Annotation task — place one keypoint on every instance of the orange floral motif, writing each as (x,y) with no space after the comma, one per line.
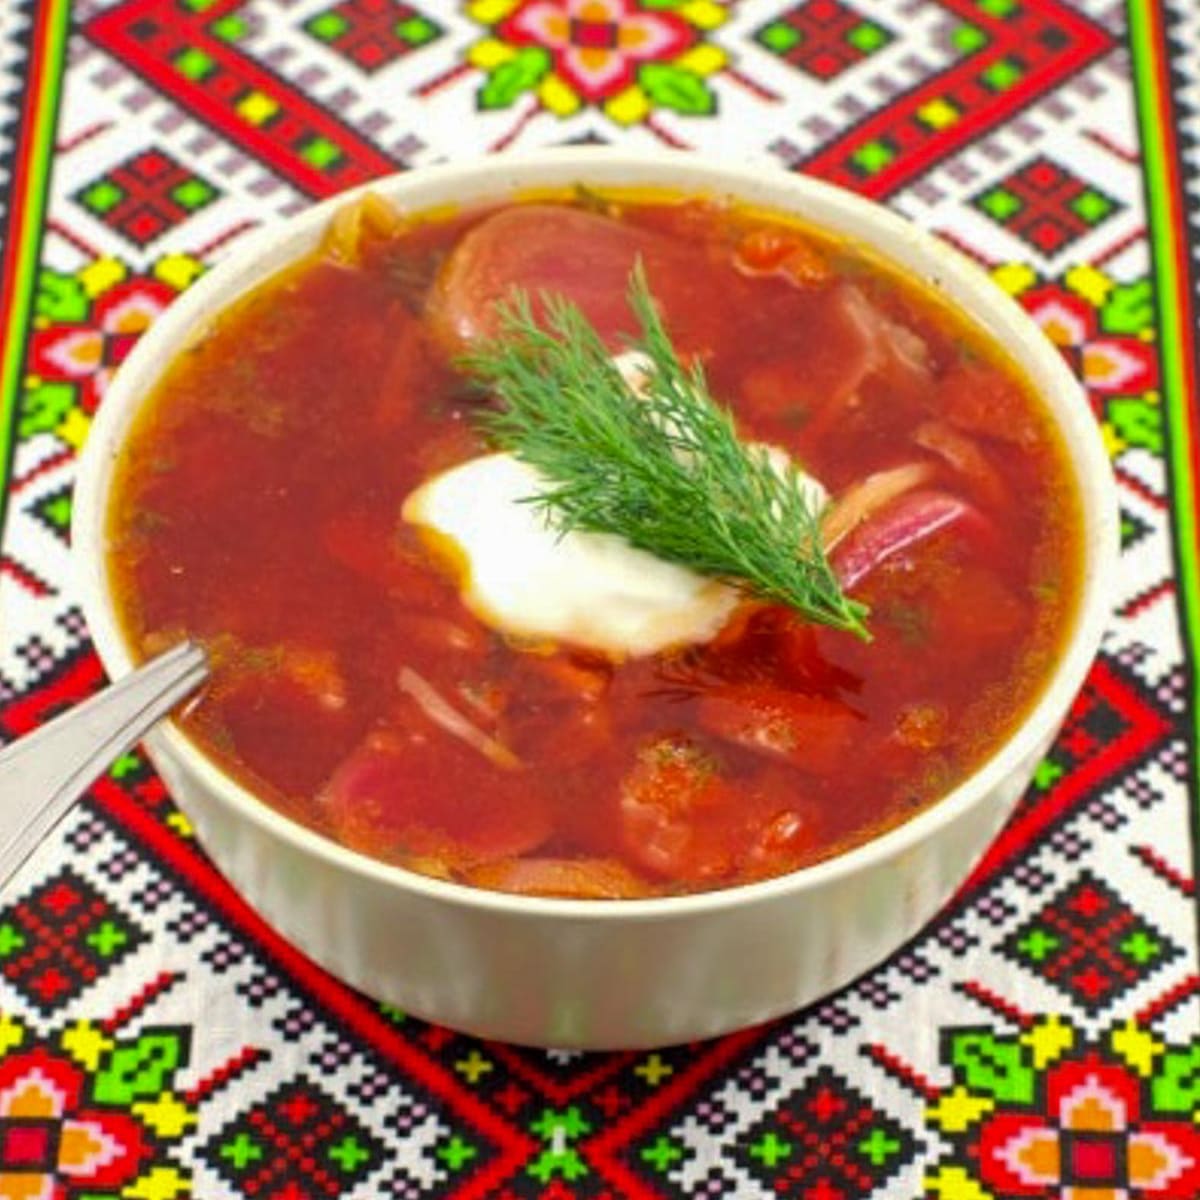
(88,351)
(629,58)
(86,1114)
(51,1145)
(1106,362)
(1046,1113)
(597,44)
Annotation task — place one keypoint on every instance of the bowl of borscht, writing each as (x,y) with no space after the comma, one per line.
(637,589)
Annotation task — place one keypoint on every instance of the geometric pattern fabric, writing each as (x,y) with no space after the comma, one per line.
(1038,1038)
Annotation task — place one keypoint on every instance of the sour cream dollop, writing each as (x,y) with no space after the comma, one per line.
(588,589)
(522,578)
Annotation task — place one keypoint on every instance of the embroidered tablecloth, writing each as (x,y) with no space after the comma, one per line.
(1039,1039)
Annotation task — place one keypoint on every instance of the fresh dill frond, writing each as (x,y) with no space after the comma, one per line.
(663,468)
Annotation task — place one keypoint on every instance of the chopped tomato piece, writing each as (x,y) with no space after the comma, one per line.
(361,542)
(967,459)
(737,626)
(682,820)
(783,842)
(411,374)
(848,341)
(454,443)
(571,878)
(561,720)
(976,608)
(429,631)
(376,800)
(563,735)
(922,726)
(782,389)
(767,251)
(317,672)
(673,786)
(810,732)
(767,643)
(576,677)
(979,399)
(260,711)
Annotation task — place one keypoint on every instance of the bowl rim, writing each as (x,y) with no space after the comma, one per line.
(511,174)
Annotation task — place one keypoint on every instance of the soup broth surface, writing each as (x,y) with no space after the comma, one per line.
(258,510)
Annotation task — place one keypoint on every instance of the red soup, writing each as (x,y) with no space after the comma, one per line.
(258,509)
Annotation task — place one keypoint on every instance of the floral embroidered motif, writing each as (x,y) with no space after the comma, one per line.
(87,1114)
(1105,330)
(627,57)
(596,45)
(1048,1113)
(84,326)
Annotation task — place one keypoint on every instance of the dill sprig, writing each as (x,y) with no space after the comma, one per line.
(664,468)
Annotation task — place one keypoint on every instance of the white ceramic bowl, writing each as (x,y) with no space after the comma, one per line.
(605,974)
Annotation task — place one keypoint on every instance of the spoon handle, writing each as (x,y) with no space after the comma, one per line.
(42,775)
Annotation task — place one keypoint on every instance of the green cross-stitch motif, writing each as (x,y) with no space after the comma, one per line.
(868,37)
(662,1153)
(320,152)
(193,63)
(230,27)
(327,26)
(565,1162)
(967,39)
(1092,206)
(874,155)
(993,1065)
(1138,420)
(878,1146)
(416,30)
(455,1152)
(771,1150)
(1000,204)
(1002,74)
(107,938)
(1038,944)
(779,36)
(1129,308)
(103,196)
(127,764)
(241,1151)
(61,297)
(1046,774)
(1129,530)
(11,940)
(568,1123)
(349,1154)
(559,1128)
(1176,1087)
(45,407)
(192,194)
(1141,947)
(57,510)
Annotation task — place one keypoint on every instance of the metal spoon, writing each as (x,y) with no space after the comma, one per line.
(42,775)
